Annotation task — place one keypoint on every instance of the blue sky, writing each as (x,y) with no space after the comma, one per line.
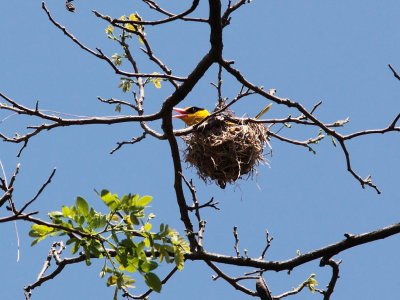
(334,51)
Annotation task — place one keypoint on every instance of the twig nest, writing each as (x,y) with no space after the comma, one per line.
(223,151)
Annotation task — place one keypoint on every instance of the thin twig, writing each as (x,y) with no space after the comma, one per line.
(144,295)
(230,280)
(131,142)
(201,222)
(327,251)
(394,72)
(236,247)
(269,240)
(38,192)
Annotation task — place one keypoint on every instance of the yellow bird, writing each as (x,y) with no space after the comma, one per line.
(192,115)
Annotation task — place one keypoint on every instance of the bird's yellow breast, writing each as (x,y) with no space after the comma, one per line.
(194,118)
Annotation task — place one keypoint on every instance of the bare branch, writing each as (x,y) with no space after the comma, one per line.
(315,107)
(363,182)
(395,74)
(327,251)
(262,289)
(236,247)
(28,217)
(38,193)
(201,222)
(292,292)
(179,95)
(153,5)
(231,8)
(117,101)
(60,266)
(209,203)
(335,276)
(299,143)
(131,142)
(101,55)
(52,251)
(391,127)
(269,240)
(309,116)
(231,281)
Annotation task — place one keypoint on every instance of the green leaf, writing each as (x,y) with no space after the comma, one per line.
(40,230)
(87,255)
(67,212)
(111,200)
(132,266)
(153,282)
(125,85)
(179,258)
(311,283)
(109,29)
(112,280)
(82,205)
(333,141)
(134,219)
(55,215)
(117,59)
(75,247)
(143,201)
(148,266)
(37,240)
(132,199)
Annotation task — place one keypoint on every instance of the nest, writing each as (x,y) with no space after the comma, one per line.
(223,151)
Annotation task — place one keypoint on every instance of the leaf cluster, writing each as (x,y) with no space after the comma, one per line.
(123,237)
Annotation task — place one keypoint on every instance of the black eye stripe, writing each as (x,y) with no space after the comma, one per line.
(194,109)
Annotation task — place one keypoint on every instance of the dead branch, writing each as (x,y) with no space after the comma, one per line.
(327,251)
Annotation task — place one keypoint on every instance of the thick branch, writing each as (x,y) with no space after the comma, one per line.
(328,251)
(335,276)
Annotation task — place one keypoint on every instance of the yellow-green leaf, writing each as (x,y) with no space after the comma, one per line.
(143,201)
(42,229)
(82,206)
(110,29)
(157,82)
(133,17)
(179,258)
(147,227)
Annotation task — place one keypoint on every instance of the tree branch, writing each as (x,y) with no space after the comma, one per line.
(172,17)
(328,251)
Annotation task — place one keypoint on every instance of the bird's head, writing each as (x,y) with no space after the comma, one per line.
(191,115)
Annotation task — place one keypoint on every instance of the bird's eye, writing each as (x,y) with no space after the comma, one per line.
(194,109)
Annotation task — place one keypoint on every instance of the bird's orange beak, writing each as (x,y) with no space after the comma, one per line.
(182,113)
